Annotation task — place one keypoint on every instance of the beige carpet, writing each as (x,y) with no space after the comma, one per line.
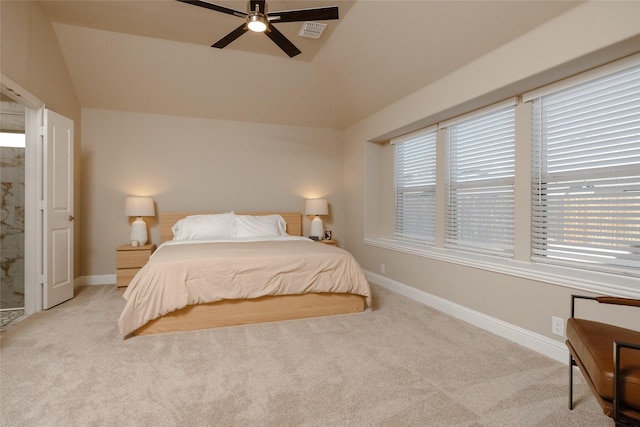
(402,364)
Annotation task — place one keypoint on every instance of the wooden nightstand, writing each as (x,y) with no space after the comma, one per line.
(329,242)
(129,260)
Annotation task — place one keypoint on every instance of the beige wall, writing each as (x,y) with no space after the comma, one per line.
(198,164)
(599,32)
(31,57)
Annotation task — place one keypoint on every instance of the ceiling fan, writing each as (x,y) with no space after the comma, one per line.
(259,20)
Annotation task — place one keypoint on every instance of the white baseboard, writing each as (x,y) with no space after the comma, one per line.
(101,279)
(521,336)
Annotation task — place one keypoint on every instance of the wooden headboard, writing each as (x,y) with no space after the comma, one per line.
(293,220)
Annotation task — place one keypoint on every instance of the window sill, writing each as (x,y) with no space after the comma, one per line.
(590,281)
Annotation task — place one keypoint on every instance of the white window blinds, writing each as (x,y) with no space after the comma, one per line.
(480,183)
(415,176)
(586,183)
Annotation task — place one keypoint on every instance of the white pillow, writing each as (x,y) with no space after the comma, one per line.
(260,226)
(205,227)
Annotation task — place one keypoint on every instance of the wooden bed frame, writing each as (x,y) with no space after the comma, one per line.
(244,312)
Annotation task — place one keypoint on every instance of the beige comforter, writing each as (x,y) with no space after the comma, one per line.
(178,275)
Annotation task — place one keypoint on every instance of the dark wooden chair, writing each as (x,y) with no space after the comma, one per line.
(609,358)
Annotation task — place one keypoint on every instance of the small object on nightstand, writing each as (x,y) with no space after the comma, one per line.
(130,259)
(329,242)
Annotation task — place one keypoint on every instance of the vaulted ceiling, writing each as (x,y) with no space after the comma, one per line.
(154,56)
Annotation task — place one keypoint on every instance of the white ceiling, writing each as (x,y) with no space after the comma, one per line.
(154,55)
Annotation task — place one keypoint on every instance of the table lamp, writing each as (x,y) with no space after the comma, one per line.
(316,207)
(139,207)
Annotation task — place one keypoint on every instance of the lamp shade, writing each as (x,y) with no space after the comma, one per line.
(316,207)
(139,206)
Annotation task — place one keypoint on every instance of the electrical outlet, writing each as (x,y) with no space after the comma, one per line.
(557,326)
(382,269)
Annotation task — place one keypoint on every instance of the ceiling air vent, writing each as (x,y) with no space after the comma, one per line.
(312,30)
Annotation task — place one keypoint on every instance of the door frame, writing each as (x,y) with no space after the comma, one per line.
(34,181)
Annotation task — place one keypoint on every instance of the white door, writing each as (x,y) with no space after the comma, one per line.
(58,209)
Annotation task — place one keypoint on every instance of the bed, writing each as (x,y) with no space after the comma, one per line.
(195,280)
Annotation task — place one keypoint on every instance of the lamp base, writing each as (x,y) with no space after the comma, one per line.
(139,231)
(317,228)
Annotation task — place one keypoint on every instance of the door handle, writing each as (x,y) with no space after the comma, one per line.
(70,218)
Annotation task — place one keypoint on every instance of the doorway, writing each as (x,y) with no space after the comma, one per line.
(48,196)
(12,210)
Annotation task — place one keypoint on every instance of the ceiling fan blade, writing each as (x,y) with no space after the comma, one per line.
(317,14)
(282,42)
(231,36)
(215,7)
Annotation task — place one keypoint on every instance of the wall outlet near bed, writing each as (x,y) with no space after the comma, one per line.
(557,326)
(382,269)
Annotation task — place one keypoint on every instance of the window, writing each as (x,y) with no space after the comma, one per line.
(415,180)
(577,189)
(586,167)
(480,182)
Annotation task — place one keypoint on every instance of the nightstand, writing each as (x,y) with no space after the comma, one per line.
(329,242)
(130,259)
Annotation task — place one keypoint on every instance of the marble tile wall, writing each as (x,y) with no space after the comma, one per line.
(11,227)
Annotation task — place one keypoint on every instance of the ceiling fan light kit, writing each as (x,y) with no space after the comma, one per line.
(259,20)
(257,23)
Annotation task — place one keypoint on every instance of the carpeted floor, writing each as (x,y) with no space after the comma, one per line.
(401,364)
